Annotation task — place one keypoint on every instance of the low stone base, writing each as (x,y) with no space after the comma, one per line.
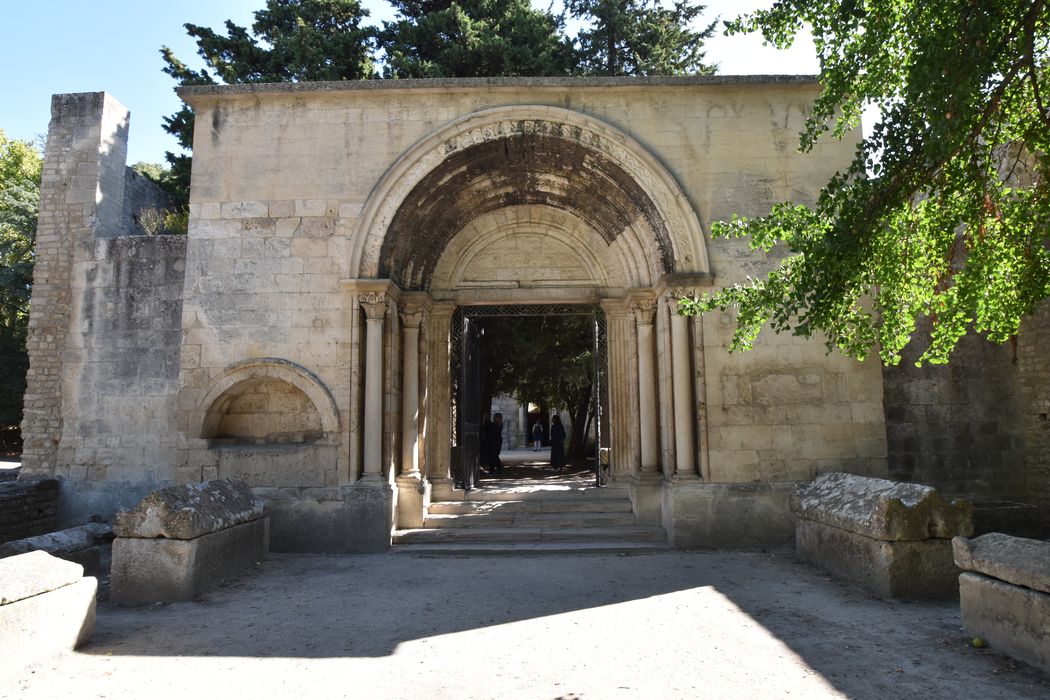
(910,570)
(413,497)
(169,570)
(1012,619)
(700,515)
(370,511)
(644,492)
(49,623)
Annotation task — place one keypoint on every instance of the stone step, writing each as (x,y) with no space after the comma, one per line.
(515,491)
(602,505)
(529,519)
(619,548)
(507,535)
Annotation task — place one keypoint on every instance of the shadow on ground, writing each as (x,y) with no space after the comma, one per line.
(720,611)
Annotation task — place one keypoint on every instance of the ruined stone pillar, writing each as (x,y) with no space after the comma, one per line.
(374,305)
(685,467)
(81,198)
(438,456)
(643,315)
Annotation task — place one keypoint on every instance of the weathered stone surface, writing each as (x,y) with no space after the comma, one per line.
(882,509)
(908,570)
(1011,619)
(187,511)
(27,575)
(1016,560)
(172,570)
(37,627)
(60,543)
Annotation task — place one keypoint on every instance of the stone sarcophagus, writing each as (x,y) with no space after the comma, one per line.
(1004,592)
(182,540)
(894,538)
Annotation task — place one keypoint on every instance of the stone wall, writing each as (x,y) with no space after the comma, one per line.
(27,508)
(978,426)
(105,321)
(140,193)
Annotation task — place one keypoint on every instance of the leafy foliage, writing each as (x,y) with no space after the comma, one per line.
(943,212)
(547,360)
(474,38)
(290,41)
(20,165)
(640,37)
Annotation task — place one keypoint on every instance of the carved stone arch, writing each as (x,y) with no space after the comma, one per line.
(224,387)
(662,226)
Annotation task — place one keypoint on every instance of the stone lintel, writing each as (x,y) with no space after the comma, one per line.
(1016,560)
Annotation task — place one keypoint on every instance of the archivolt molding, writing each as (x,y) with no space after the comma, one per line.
(686,235)
(268,368)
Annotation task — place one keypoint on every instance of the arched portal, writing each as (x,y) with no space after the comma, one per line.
(520,205)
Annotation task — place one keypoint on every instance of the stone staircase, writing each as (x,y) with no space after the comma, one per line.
(506,517)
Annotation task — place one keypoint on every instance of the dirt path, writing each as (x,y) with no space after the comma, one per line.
(670,625)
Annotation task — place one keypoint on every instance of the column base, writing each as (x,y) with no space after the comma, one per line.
(646,498)
(413,498)
(370,506)
(440,488)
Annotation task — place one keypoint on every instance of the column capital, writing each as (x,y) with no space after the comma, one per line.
(643,310)
(412,316)
(374,305)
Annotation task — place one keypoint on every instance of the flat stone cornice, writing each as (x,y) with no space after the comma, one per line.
(194,94)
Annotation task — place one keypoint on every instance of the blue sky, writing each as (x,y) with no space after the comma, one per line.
(55,46)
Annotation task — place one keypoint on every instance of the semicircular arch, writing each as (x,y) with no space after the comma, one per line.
(265,369)
(674,227)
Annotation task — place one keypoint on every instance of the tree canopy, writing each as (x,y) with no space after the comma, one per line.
(20,165)
(943,212)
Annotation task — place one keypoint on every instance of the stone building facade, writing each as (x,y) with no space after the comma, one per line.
(299,336)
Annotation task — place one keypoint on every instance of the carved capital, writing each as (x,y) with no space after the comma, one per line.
(411,316)
(644,310)
(374,305)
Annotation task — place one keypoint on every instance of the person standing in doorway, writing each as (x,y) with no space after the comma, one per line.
(495,444)
(557,443)
(537,436)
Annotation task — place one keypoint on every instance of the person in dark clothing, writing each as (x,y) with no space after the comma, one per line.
(484,448)
(495,444)
(557,443)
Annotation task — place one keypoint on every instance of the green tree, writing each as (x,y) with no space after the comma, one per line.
(640,37)
(473,38)
(20,165)
(547,360)
(290,41)
(943,213)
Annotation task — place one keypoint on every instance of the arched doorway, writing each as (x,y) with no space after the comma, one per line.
(524,205)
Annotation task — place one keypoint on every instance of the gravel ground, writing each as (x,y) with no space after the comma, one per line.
(669,625)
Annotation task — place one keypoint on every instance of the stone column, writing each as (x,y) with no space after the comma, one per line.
(411,317)
(438,454)
(682,381)
(643,315)
(413,494)
(623,389)
(374,305)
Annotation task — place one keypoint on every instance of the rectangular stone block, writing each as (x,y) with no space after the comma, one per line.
(166,570)
(910,570)
(43,625)
(697,514)
(1011,619)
